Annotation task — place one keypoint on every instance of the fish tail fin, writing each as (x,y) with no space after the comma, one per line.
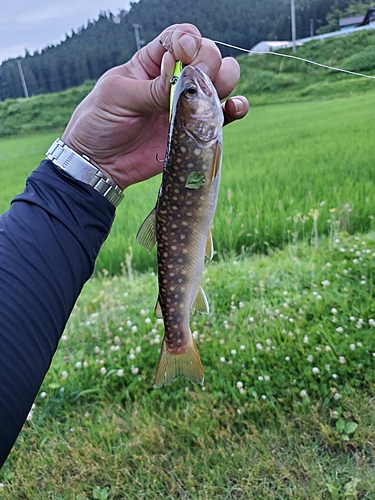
(172,365)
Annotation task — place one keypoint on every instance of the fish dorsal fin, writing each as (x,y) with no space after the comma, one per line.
(209,245)
(146,235)
(200,303)
(217,161)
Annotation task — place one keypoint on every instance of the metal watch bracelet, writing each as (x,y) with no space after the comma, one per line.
(80,168)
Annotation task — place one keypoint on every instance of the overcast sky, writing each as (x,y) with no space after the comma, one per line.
(34,24)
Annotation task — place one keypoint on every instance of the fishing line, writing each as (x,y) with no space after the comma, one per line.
(294,57)
(166,44)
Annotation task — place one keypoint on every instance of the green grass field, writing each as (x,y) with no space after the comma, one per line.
(287,407)
(290,172)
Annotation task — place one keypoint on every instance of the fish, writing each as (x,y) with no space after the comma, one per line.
(180,224)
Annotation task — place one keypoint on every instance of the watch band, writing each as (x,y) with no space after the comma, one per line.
(80,168)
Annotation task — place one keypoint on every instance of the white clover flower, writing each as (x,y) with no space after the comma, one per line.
(85,364)
(242,347)
(222,359)
(334,319)
(355,261)
(315,370)
(259,346)
(287,358)
(134,370)
(303,393)
(326,283)
(132,355)
(363,282)
(241,305)
(342,360)
(120,329)
(239,411)
(64,337)
(266,378)
(134,329)
(264,397)
(352,347)
(64,375)
(233,352)
(120,372)
(239,385)
(260,378)
(251,319)
(337,396)
(334,310)
(352,318)
(78,365)
(147,321)
(339,329)
(129,323)
(103,370)
(327,348)
(306,339)
(138,349)
(43,395)
(327,367)
(310,358)
(371,322)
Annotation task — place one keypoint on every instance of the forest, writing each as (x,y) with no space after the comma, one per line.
(88,52)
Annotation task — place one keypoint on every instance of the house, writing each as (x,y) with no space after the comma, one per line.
(368,19)
(347,23)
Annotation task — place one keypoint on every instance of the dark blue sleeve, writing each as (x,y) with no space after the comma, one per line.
(49,240)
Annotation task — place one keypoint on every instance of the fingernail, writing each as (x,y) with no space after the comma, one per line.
(189,44)
(237,104)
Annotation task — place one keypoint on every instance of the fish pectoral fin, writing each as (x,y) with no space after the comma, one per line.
(158,310)
(171,365)
(209,245)
(200,303)
(217,161)
(146,235)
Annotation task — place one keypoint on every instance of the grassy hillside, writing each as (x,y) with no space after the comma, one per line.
(265,79)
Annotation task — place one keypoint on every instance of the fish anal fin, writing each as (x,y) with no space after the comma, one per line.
(146,235)
(200,303)
(158,310)
(217,161)
(209,245)
(171,365)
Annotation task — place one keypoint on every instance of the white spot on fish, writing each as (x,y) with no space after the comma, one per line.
(197,151)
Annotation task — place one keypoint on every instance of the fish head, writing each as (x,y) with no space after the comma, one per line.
(197,105)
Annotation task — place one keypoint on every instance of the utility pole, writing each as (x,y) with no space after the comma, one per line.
(293,17)
(22,76)
(138,40)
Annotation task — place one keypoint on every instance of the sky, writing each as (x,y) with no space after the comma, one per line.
(34,24)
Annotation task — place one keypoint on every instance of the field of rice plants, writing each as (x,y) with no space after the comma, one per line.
(287,407)
(290,172)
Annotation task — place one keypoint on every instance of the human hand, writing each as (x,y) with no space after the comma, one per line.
(123,123)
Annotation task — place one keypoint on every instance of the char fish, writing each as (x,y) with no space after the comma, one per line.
(180,223)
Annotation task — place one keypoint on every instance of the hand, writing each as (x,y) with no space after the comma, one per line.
(123,123)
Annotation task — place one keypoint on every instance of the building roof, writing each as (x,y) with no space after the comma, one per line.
(351,21)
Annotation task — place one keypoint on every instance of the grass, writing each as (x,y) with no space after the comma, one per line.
(287,406)
(289,172)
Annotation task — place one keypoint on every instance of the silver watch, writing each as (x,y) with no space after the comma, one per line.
(80,168)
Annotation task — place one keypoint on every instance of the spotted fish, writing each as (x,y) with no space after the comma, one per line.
(181,222)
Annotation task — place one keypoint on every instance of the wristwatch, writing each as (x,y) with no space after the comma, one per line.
(79,167)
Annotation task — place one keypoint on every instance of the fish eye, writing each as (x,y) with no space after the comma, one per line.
(190,90)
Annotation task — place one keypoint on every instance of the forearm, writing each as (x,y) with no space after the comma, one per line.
(49,240)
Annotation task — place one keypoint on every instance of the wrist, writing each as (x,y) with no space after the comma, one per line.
(80,167)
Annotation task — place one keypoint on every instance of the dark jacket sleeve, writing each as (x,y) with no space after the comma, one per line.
(49,240)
